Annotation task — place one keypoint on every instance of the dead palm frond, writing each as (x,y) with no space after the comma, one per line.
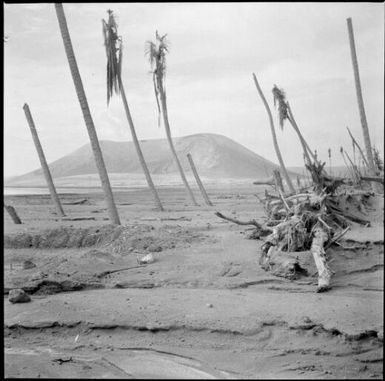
(156,52)
(280,99)
(114,50)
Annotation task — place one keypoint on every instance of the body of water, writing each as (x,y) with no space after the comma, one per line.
(17,191)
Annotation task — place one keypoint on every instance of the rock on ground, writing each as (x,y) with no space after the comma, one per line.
(18,296)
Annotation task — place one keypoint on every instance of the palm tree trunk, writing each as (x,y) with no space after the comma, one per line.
(305,146)
(198,180)
(139,150)
(360,100)
(170,142)
(43,161)
(275,142)
(111,207)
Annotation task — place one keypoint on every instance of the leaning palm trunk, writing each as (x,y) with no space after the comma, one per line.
(275,142)
(360,100)
(304,144)
(111,207)
(139,150)
(114,50)
(198,180)
(157,56)
(171,144)
(43,161)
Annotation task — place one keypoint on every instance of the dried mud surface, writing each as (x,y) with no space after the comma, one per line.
(203,309)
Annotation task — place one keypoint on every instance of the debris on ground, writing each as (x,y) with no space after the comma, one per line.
(149,258)
(301,227)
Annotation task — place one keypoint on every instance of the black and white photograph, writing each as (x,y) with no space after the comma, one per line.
(193,190)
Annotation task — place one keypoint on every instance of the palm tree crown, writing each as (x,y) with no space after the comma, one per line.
(156,52)
(114,50)
(280,98)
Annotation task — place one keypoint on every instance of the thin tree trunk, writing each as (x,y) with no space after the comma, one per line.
(275,142)
(355,170)
(305,146)
(43,161)
(317,249)
(359,148)
(169,138)
(111,207)
(361,107)
(198,180)
(139,150)
(12,213)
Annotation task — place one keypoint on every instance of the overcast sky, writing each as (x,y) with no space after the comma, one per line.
(215,48)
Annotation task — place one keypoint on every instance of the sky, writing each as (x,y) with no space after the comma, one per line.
(214,49)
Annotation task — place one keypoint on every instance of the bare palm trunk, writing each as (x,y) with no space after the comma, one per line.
(360,100)
(275,142)
(198,180)
(43,161)
(304,144)
(138,149)
(112,211)
(170,142)
(12,213)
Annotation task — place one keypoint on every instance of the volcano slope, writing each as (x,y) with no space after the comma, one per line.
(215,156)
(203,309)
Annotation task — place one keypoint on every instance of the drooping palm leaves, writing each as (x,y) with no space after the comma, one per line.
(156,52)
(280,99)
(285,113)
(114,50)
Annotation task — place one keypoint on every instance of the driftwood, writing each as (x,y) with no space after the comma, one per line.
(235,221)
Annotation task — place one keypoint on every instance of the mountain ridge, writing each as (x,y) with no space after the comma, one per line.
(214,155)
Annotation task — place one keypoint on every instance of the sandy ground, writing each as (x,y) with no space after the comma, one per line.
(203,309)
